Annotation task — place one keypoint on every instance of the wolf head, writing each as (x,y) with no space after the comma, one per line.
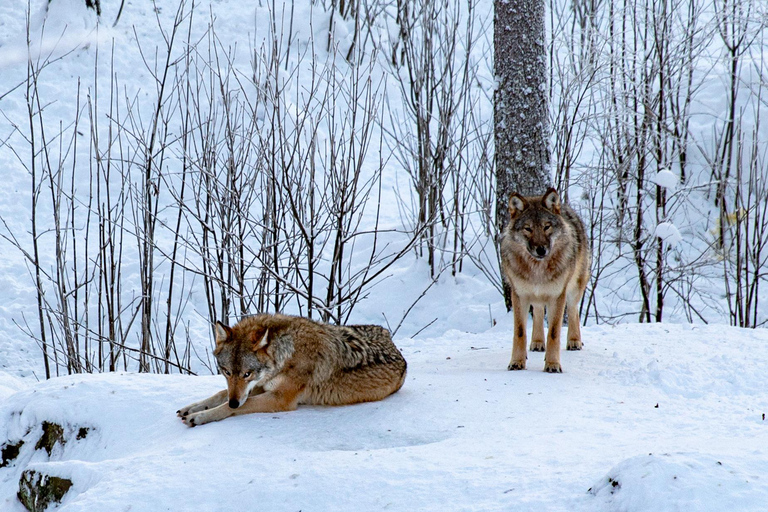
(244,360)
(535,222)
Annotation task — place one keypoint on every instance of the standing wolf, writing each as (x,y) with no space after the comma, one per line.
(545,259)
(275,362)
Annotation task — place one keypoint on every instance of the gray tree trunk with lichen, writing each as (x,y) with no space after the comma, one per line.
(520,114)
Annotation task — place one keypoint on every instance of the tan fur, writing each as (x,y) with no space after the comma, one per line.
(545,259)
(287,361)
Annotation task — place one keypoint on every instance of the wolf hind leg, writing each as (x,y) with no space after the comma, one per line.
(537,339)
(574,323)
(368,383)
(555,310)
(574,329)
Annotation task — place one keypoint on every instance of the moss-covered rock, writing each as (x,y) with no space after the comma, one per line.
(52,433)
(9,452)
(37,491)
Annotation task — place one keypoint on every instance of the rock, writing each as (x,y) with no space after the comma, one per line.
(37,491)
(52,433)
(9,452)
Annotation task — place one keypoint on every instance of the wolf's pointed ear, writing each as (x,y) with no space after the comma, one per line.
(222,333)
(517,204)
(551,200)
(259,343)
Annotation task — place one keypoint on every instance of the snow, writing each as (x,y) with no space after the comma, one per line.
(666,179)
(646,417)
(668,232)
(462,434)
(9,385)
(681,481)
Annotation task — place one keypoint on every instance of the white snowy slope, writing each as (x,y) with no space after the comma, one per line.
(656,418)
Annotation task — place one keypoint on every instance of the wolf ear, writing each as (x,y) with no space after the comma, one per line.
(222,333)
(259,343)
(551,200)
(517,204)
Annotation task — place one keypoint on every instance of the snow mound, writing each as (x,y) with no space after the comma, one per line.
(669,233)
(682,482)
(463,433)
(666,179)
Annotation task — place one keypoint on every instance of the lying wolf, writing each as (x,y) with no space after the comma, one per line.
(545,259)
(275,362)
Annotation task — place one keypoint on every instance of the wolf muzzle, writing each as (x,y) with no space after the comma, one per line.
(538,251)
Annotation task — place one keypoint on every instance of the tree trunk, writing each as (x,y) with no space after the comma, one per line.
(521,122)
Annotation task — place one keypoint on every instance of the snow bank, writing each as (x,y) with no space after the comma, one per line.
(685,482)
(462,434)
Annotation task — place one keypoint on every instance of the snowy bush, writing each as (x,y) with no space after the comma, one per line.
(173,170)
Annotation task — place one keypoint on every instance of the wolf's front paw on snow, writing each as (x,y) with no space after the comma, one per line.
(574,345)
(516,365)
(553,367)
(194,419)
(191,408)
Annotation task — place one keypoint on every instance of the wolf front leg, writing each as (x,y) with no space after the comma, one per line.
(556,308)
(278,400)
(519,354)
(284,397)
(209,403)
(208,415)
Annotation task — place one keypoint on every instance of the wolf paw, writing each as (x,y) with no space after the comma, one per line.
(537,346)
(194,419)
(516,365)
(192,408)
(574,345)
(553,368)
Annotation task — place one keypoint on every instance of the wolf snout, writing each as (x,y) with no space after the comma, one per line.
(234,403)
(541,251)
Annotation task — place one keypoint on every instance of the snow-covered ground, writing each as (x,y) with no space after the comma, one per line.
(645,418)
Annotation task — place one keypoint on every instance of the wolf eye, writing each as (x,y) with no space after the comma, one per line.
(225,372)
(528,229)
(547,227)
(246,375)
